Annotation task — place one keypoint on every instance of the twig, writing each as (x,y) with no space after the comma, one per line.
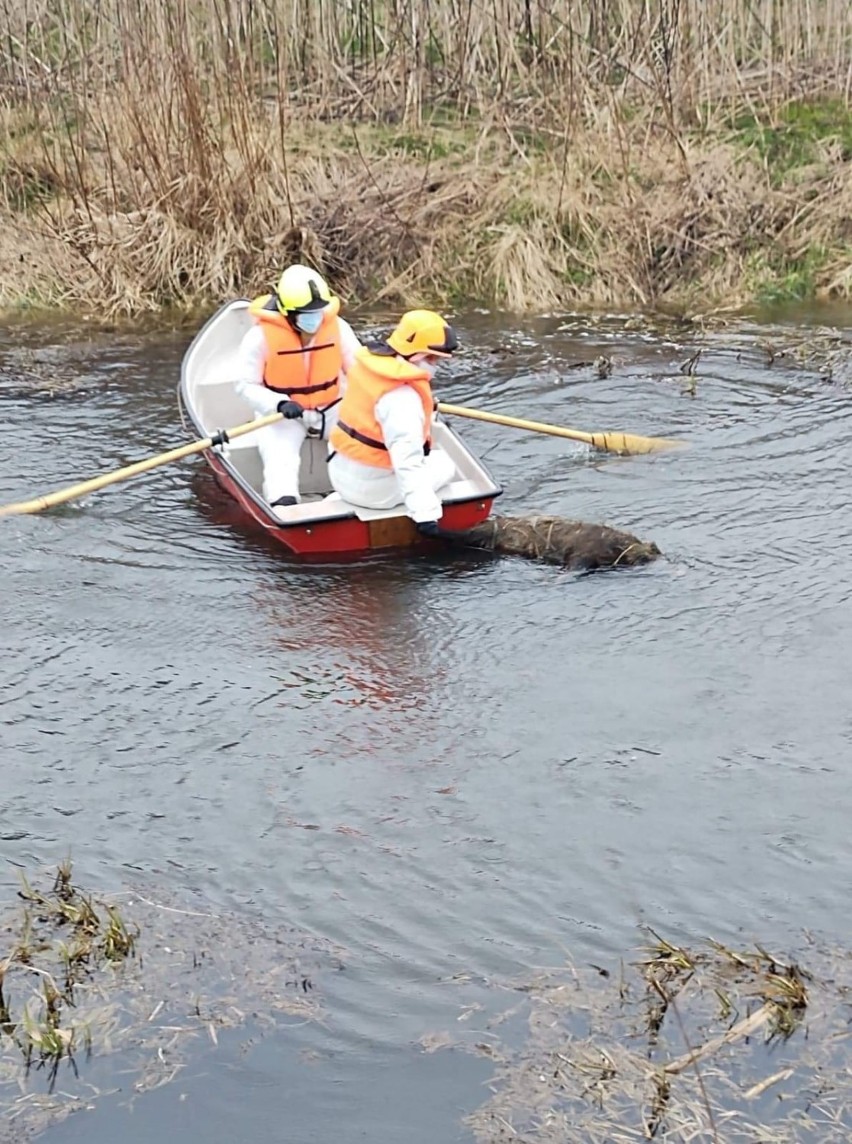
(173,910)
(692,1058)
(743,1028)
(762,1086)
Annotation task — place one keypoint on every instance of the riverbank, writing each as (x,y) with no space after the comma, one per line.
(642,169)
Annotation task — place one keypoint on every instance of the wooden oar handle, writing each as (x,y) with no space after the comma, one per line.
(515,422)
(39,504)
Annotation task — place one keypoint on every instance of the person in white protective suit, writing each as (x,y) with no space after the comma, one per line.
(382,452)
(294,360)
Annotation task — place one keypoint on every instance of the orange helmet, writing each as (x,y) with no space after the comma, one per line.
(423,331)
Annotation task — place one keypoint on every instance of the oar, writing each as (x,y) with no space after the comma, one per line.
(38,504)
(623,443)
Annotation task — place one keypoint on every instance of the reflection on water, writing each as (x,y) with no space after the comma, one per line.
(454,767)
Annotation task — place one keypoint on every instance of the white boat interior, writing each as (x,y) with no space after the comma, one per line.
(208,392)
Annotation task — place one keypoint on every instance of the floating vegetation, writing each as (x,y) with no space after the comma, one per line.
(82,976)
(49,373)
(50,970)
(824,351)
(711,1043)
(48,358)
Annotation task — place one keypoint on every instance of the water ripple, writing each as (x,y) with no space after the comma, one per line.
(449,765)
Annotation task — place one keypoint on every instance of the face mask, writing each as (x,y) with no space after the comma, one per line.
(309,321)
(428,367)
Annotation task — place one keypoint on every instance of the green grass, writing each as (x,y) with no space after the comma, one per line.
(577,275)
(522,212)
(792,139)
(788,279)
(426,145)
(438,138)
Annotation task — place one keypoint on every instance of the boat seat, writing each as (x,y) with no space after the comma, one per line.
(331,507)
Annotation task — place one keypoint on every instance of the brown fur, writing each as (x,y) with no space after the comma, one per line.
(572,543)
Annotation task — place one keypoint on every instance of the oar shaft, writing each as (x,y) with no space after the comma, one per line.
(624,443)
(517,423)
(38,504)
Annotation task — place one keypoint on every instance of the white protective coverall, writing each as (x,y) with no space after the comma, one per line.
(280,445)
(414,480)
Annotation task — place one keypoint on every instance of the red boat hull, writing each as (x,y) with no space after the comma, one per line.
(346,535)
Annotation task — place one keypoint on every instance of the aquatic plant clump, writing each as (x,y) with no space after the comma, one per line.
(83,975)
(709,1043)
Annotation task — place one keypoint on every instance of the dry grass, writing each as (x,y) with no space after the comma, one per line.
(45,1030)
(540,155)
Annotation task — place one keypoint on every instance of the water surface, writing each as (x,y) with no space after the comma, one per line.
(452,767)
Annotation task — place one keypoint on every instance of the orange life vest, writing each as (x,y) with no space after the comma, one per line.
(315,386)
(358,434)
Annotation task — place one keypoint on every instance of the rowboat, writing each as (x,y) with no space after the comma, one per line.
(323,524)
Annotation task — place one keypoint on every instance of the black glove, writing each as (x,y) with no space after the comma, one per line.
(290,409)
(428,528)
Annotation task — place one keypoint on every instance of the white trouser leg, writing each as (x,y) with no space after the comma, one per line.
(441,468)
(368,486)
(280,448)
(331,416)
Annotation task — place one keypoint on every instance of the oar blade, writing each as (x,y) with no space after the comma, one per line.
(631,444)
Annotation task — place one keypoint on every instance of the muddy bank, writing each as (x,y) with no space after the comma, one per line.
(388,227)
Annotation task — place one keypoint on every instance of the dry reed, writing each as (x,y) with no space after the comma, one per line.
(537,154)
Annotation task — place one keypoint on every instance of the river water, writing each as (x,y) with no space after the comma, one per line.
(457,768)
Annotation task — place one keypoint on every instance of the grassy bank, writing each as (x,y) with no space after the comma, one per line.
(680,152)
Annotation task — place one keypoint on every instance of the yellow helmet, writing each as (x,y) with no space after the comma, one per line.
(423,331)
(301,288)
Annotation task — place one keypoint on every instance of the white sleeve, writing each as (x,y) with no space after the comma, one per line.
(349,344)
(248,379)
(400,414)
